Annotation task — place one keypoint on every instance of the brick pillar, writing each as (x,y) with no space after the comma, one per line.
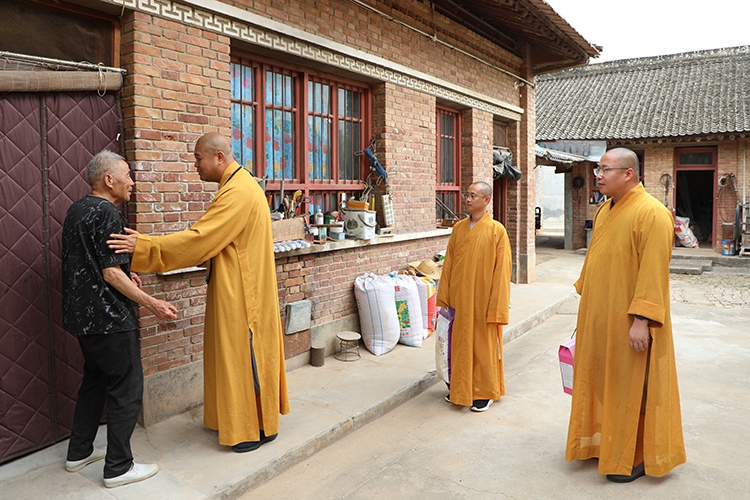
(404,127)
(526,161)
(476,147)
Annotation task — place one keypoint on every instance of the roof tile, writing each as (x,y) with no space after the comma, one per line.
(666,96)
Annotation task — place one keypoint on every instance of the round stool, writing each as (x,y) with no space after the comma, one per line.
(348,346)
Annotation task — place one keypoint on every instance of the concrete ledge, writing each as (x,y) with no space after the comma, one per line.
(689,266)
(171,392)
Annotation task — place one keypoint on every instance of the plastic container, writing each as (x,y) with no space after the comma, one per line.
(360,224)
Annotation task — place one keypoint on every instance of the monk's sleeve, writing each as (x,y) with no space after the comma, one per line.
(213,232)
(444,289)
(654,242)
(579,283)
(497,308)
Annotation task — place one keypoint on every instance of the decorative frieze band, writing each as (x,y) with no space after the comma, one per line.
(238,29)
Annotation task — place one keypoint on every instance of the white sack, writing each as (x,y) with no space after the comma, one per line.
(378,318)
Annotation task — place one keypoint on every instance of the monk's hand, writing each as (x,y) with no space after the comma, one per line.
(124,243)
(639,334)
(163,310)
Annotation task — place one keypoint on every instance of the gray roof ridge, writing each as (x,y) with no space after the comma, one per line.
(653,62)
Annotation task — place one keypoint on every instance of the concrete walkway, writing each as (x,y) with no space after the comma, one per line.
(428,449)
(327,403)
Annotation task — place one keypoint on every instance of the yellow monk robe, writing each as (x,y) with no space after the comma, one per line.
(476,283)
(626,272)
(242,294)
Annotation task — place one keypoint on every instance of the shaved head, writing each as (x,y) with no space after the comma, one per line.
(626,159)
(213,154)
(214,142)
(484,188)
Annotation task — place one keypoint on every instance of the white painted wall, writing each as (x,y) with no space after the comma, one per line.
(553,207)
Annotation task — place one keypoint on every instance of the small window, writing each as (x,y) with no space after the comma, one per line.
(448,189)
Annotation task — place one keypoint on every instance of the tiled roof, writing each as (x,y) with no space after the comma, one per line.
(666,96)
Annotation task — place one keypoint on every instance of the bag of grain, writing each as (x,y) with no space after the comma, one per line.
(378,318)
(409,311)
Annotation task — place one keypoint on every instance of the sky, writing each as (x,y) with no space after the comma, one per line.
(645,28)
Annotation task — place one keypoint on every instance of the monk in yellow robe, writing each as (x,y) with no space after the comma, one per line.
(476,283)
(626,405)
(244,374)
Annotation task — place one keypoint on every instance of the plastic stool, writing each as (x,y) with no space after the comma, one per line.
(348,346)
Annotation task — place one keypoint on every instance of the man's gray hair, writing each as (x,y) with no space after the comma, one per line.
(101,164)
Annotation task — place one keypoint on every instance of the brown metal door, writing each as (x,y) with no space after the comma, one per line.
(45,144)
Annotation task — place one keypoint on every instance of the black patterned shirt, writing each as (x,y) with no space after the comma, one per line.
(91,305)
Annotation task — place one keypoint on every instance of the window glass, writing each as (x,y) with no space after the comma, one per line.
(243,111)
(448,186)
(319,123)
(697,158)
(279,126)
(316,149)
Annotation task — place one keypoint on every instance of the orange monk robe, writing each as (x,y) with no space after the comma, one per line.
(476,283)
(242,294)
(626,272)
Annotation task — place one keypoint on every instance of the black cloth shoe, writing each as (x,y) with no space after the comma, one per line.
(246,446)
(638,471)
(481,404)
(267,439)
(448,398)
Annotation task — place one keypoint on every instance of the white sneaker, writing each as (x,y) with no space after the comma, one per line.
(76,465)
(138,472)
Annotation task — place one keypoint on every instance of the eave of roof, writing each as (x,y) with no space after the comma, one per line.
(679,95)
(555,44)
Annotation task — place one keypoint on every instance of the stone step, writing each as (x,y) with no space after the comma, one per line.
(689,266)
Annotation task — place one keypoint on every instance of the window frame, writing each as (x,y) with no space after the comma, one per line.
(441,187)
(323,190)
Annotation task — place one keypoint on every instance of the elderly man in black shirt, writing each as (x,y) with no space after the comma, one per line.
(98,294)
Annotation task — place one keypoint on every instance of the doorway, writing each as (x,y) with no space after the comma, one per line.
(695,190)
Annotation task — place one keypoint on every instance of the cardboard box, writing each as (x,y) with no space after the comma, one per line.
(567,354)
(288,229)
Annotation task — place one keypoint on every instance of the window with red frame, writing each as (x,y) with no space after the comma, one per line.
(448,188)
(304,128)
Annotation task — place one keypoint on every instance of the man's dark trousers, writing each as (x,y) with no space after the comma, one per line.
(112,371)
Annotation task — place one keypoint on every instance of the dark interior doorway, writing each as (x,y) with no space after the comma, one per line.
(695,200)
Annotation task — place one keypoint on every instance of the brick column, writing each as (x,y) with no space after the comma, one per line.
(404,127)
(526,161)
(476,147)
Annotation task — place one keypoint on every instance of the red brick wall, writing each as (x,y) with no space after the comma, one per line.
(176,89)
(347,23)
(659,160)
(404,126)
(328,279)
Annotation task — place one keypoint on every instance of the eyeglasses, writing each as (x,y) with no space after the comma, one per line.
(471,196)
(601,171)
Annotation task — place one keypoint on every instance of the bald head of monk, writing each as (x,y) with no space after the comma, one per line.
(477,197)
(213,154)
(618,173)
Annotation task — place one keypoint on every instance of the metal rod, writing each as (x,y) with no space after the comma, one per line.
(58,62)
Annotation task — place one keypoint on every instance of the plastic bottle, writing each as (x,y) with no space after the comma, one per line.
(319,218)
